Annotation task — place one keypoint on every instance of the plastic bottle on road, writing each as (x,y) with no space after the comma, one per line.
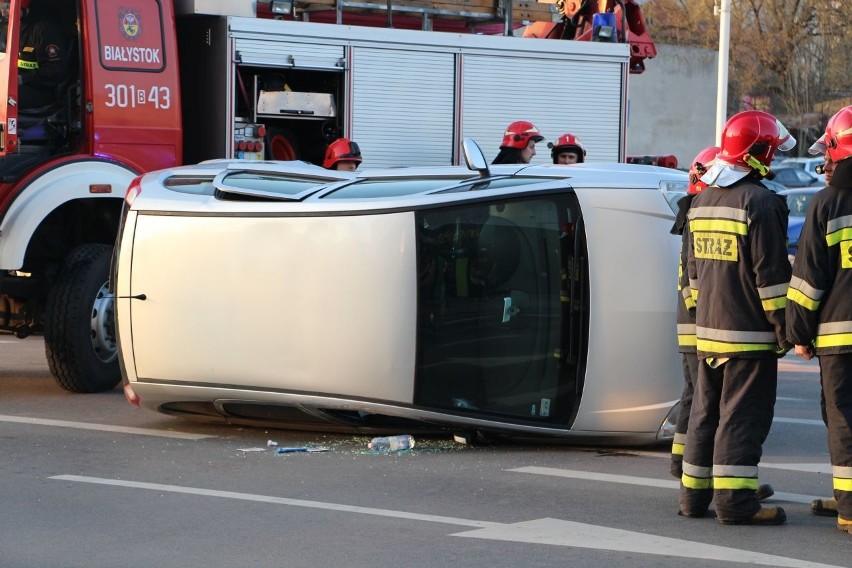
(391,443)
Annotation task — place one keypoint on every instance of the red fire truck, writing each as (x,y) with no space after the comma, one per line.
(149,84)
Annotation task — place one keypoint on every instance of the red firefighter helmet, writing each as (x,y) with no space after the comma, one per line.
(519,133)
(700,165)
(567,143)
(341,150)
(750,138)
(838,135)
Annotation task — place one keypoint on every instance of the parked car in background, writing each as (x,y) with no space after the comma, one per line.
(777,159)
(810,165)
(508,299)
(792,177)
(798,201)
(773,185)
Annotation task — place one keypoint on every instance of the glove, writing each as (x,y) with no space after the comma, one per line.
(783,349)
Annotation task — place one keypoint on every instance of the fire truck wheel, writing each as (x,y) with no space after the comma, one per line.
(281,144)
(79,331)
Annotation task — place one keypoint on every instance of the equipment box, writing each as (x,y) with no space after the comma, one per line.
(293,104)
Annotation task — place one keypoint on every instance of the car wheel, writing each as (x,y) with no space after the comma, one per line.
(79,332)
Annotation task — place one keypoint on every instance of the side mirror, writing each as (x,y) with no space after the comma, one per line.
(474,158)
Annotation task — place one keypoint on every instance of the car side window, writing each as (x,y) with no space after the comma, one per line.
(502,314)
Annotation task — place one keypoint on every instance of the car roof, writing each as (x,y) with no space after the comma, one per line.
(320,182)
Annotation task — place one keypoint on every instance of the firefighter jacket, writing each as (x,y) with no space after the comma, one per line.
(685,318)
(738,270)
(42,61)
(819,310)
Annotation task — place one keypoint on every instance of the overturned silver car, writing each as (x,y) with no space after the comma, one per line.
(525,300)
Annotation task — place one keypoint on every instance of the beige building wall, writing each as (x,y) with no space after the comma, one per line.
(672,105)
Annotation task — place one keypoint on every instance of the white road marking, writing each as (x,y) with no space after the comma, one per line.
(540,531)
(641,481)
(792,399)
(277,500)
(804,421)
(102,427)
(578,535)
(604,477)
(804,467)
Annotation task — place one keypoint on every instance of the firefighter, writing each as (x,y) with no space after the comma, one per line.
(42,58)
(686,319)
(518,146)
(826,507)
(819,315)
(738,276)
(567,150)
(342,154)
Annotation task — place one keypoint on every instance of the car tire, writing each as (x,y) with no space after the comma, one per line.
(79,332)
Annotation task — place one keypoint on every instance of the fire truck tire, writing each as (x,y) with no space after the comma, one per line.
(79,331)
(281,144)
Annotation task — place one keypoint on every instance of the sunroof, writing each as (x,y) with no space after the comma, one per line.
(254,185)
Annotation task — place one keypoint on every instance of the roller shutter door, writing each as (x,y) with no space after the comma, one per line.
(583,98)
(281,54)
(402,106)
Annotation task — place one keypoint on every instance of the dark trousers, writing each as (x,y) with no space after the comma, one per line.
(836,378)
(732,410)
(690,377)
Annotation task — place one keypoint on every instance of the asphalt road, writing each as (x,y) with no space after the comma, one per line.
(88,481)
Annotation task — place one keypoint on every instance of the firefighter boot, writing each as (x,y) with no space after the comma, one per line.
(764,517)
(844,525)
(824,507)
(677,468)
(694,503)
(764,491)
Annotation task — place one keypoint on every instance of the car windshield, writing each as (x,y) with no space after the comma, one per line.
(798,203)
(383,187)
(387,187)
